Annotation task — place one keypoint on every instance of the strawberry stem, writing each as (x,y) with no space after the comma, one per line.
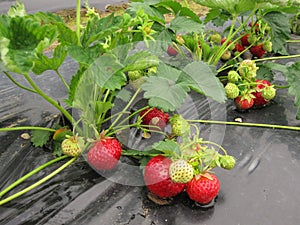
(277,57)
(125,109)
(62,79)
(26,128)
(20,180)
(78,9)
(24,191)
(273,126)
(132,152)
(293,41)
(281,86)
(18,84)
(215,144)
(132,115)
(48,99)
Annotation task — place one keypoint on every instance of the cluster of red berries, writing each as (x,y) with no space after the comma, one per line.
(166,177)
(169,173)
(246,90)
(160,173)
(255,40)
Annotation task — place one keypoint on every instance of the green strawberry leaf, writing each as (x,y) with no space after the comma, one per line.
(140,60)
(234,7)
(174,6)
(17,10)
(202,78)
(275,66)
(21,38)
(66,35)
(40,137)
(280,27)
(163,93)
(162,90)
(169,147)
(57,151)
(220,20)
(212,15)
(264,72)
(75,81)
(189,13)
(43,63)
(182,24)
(293,79)
(99,28)
(106,72)
(124,94)
(84,55)
(286,6)
(149,9)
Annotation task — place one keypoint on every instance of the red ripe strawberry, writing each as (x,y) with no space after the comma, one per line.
(244,103)
(256,26)
(259,100)
(172,51)
(261,84)
(105,154)
(203,189)
(157,178)
(258,50)
(238,47)
(154,117)
(244,40)
(231,46)
(223,40)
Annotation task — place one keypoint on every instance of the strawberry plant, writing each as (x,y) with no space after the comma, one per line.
(108,59)
(138,55)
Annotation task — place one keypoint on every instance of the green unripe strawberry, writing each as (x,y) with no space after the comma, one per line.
(215,38)
(252,39)
(233,76)
(232,90)
(227,162)
(181,171)
(247,68)
(70,146)
(268,92)
(135,74)
(268,46)
(226,55)
(179,125)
